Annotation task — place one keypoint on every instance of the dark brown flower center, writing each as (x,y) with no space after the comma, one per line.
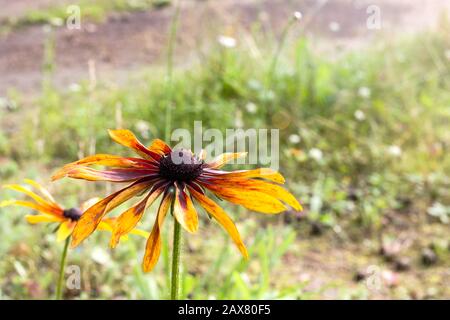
(73,214)
(180,165)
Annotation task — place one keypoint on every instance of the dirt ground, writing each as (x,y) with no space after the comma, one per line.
(392,268)
(128,41)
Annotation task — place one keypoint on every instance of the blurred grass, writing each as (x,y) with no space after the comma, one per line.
(92,10)
(362,134)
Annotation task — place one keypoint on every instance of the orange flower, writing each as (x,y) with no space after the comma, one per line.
(50,211)
(179,177)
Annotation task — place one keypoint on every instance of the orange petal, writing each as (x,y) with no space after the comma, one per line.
(263,173)
(42,202)
(141,233)
(183,209)
(113,175)
(105,160)
(223,159)
(42,190)
(128,220)
(65,230)
(32,205)
(42,218)
(109,224)
(247,186)
(128,139)
(250,199)
(221,216)
(92,217)
(160,147)
(153,247)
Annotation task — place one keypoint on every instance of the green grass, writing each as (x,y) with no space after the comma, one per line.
(320,100)
(93,10)
(379,118)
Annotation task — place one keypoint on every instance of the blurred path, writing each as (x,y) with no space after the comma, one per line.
(128,41)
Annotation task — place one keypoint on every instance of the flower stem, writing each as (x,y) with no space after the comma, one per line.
(176,260)
(61,270)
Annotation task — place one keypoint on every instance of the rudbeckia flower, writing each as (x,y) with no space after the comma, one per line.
(179,177)
(50,211)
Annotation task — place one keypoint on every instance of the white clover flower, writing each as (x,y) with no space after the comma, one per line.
(7,104)
(227,42)
(394,151)
(251,107)
(359,115)
(315,154)
(100,256)
(364,92)
(297,15)
(334,26)
(143,127)
(294,138)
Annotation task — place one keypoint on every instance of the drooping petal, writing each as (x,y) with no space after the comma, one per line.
(92,217)
(153,247)
(268,188)
(139,232)
(183,209)
(250,199)
(109,224)
(224,158)
(113,175)
(42,190)
(128,220)
(32,205)
(105,160)
(42,218)
(263,173)
(65,230)
(244,190)
(160,147)
(128,139)
(113,161)
(42,202)
(222,218)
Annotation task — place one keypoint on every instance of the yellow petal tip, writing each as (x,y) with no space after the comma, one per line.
(6,203)
(75,243)
(114,241)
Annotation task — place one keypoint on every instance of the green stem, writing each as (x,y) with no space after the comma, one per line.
(273,65)
(61,269)
(176,260)
(279,48)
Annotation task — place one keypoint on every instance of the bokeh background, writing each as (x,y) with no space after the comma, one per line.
(364,139)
